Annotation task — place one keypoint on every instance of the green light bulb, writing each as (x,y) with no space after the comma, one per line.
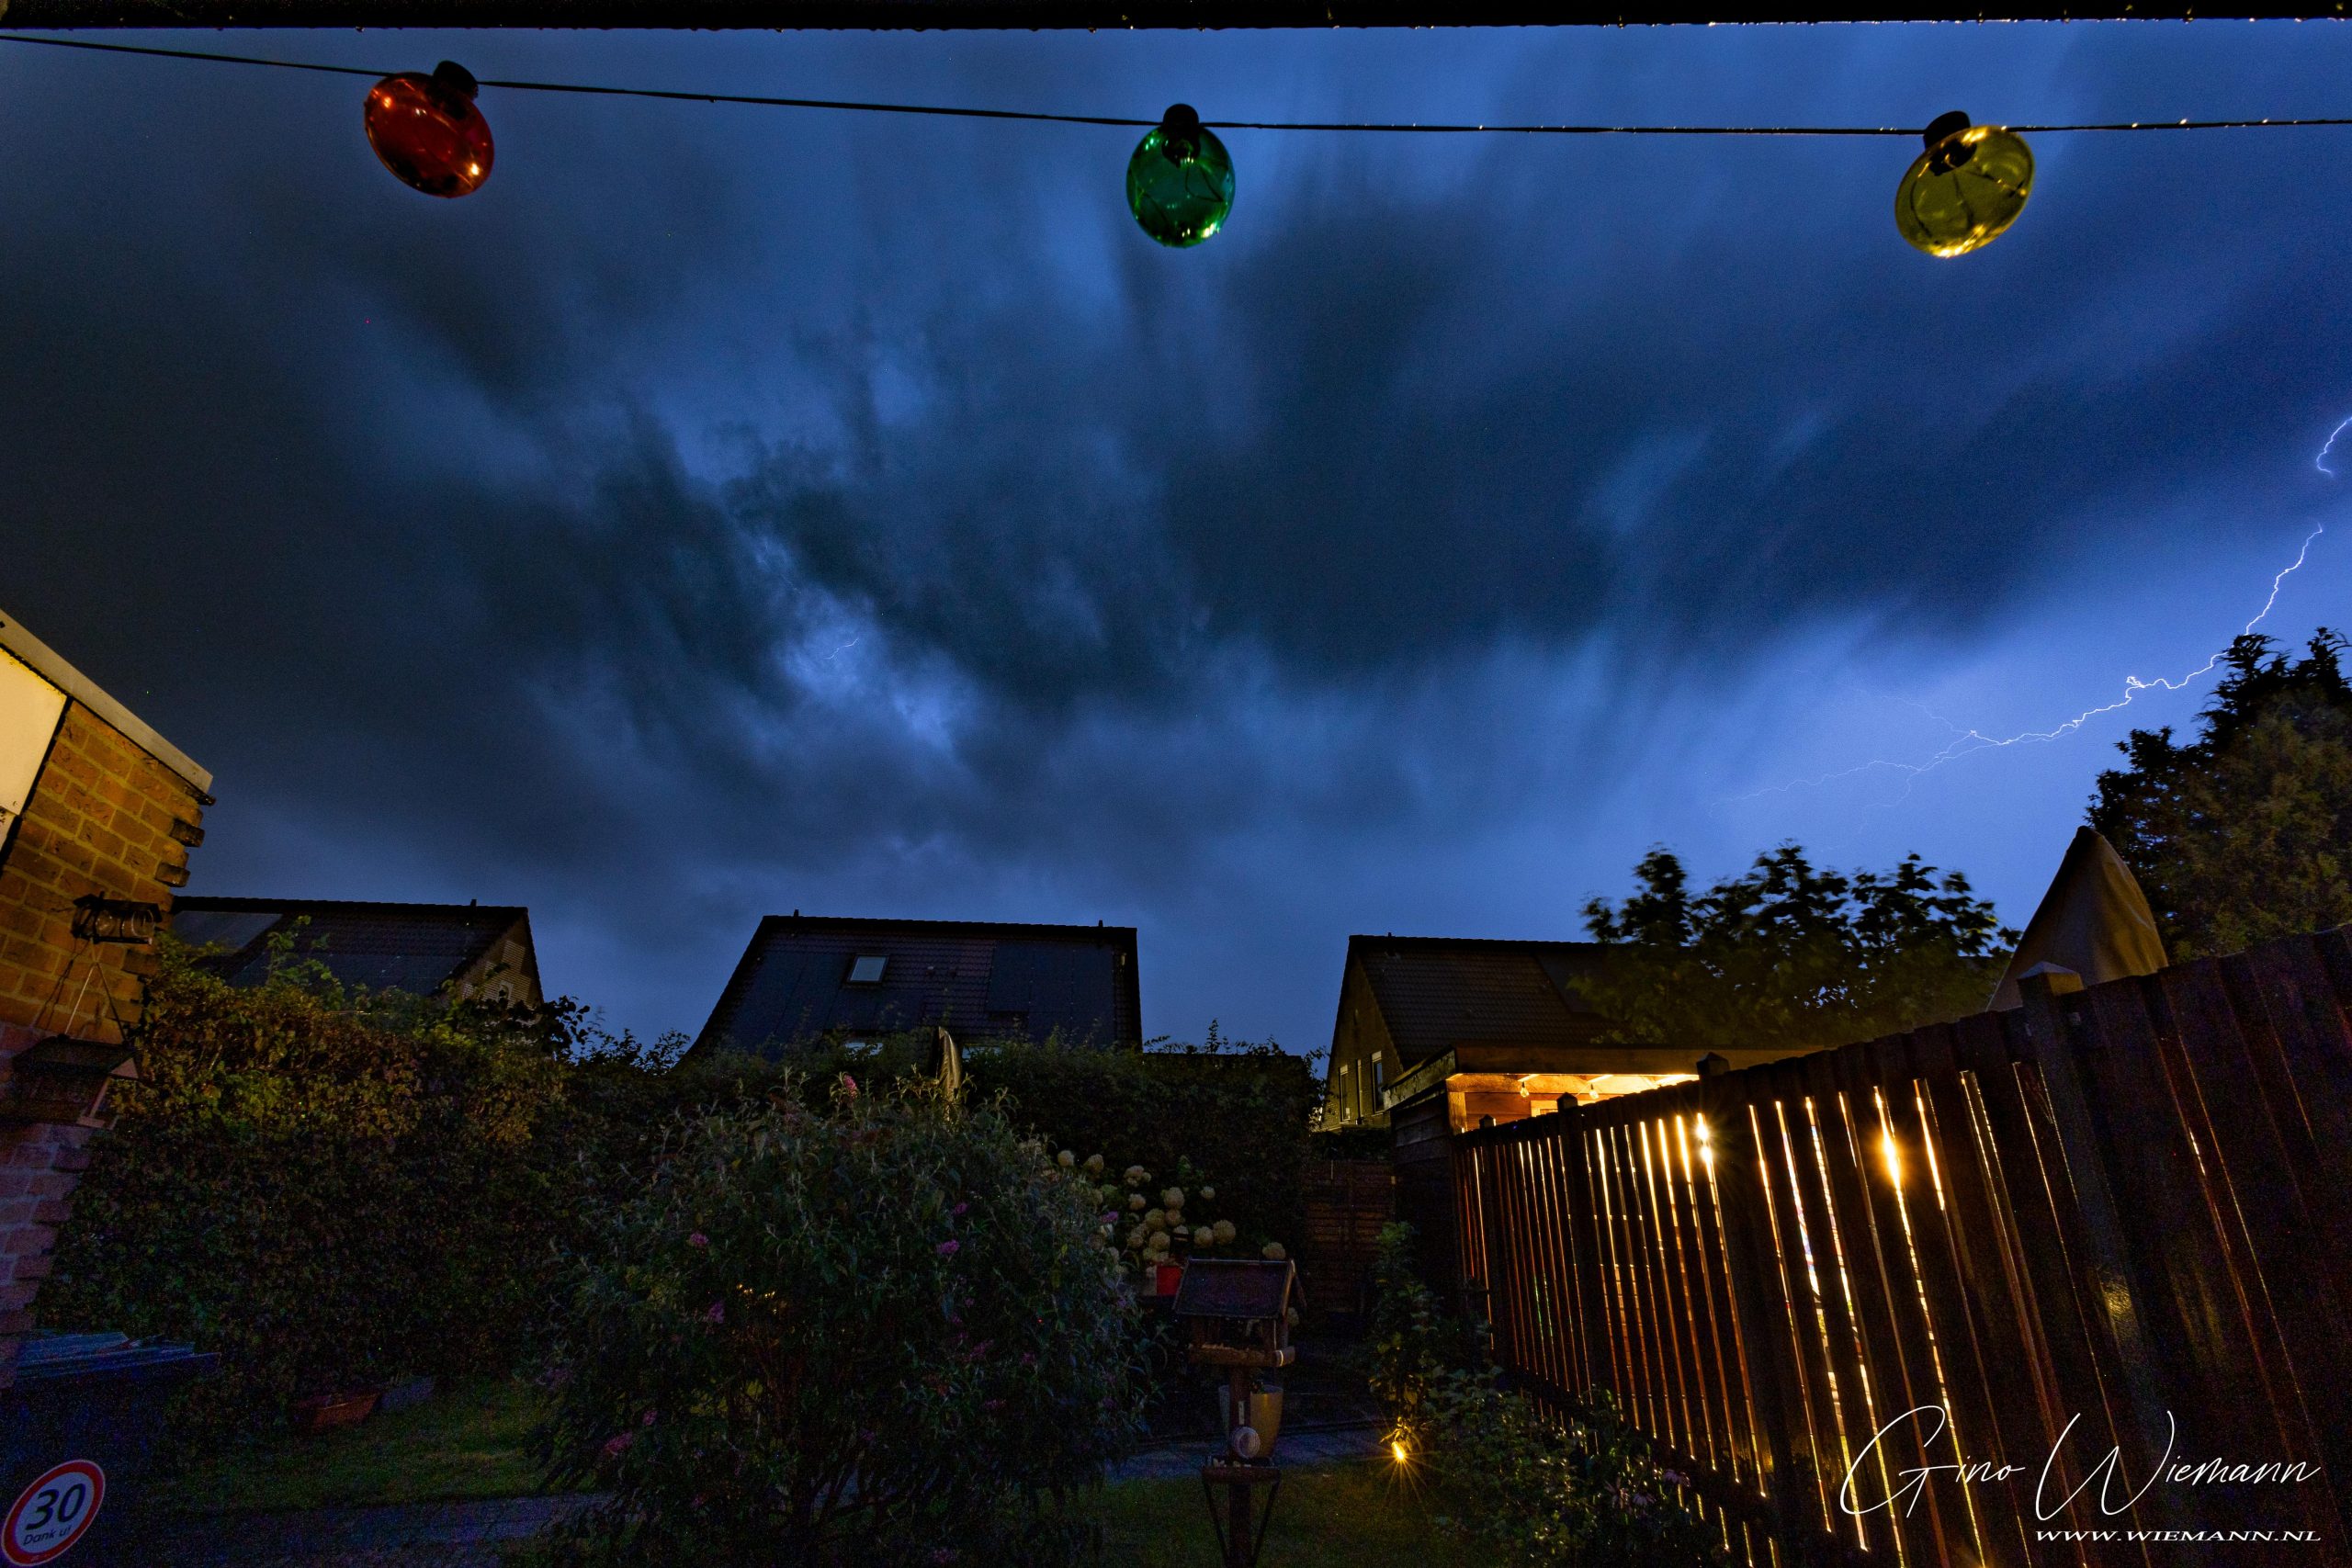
(1180,182)
(1965,190)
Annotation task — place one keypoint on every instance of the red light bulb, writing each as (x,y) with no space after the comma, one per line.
(428,131)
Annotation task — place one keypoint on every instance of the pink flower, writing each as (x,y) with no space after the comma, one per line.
(950,1248)
(618,1444)
(649,1420)
(849,1086)
(718,1314)
(698,1239)
(959,1208)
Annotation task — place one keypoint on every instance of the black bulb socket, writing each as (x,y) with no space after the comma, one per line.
(1945,155)
(455,78)
(1180,133)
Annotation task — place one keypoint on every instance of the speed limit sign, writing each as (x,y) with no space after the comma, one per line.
(54,1513)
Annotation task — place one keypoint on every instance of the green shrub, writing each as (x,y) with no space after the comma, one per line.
(1236,1118)
(1414,1346)
(890,1333)
(1232,1113)
(330,1190)
(1522,1485)
(1527,1487)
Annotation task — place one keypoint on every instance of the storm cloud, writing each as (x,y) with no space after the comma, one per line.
(728,512)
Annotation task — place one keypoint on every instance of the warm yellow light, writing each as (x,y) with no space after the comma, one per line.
(1894,1160)
(1965,191)
(1397,1451)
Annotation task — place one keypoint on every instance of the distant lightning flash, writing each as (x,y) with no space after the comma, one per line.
(1969,742)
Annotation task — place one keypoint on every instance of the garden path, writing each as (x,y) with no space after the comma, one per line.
(471,1535)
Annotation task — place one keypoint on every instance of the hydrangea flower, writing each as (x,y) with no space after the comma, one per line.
(1224,1232)
(1094,1165)
(1172,1198)
(1208,1194)
(1066,1159)
(1203,1237)
(1135,1201)
(1137,1176)
(1272,1250)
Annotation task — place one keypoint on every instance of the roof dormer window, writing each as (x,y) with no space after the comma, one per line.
(866,968)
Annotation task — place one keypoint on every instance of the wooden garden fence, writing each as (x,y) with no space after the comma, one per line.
(2114,1219)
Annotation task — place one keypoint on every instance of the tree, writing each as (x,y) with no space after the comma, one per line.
(1789,955)
(2243,833)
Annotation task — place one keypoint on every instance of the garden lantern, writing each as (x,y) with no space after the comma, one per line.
(1239,1311)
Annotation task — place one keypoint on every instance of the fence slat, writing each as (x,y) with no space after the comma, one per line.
(1943,1197)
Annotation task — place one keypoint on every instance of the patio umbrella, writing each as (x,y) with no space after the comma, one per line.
(2093,920)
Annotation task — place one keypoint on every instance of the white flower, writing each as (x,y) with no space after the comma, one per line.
(1137,1176)
(1158,1242)
(1208,1194)
(1204,1238)
(1094,1165)
(1134,1199)
(1065,1159)
(1223,1230)
(1157,1220)
(1273,1250)
(1172,1198)
(1102,1231)
(1135,1236)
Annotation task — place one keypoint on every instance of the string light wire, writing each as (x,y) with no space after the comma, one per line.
(955,112)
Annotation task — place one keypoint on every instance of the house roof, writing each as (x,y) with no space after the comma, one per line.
(407,947)
(1437,993)
(800,979)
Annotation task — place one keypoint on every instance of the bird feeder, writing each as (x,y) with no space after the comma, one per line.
(1238,1315)
(64,1080)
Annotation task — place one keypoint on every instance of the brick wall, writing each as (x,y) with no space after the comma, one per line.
(108,816)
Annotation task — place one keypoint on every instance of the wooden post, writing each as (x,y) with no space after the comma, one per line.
(2116,1299)
(1237,1536)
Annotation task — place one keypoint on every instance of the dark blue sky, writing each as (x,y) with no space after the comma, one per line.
(729,511)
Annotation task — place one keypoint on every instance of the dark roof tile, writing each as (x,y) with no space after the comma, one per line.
(979,978)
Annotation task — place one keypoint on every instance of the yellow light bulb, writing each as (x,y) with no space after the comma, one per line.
(1965,190)
(1397,1451)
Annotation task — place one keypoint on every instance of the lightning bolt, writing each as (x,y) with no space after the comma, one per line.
(1967,743)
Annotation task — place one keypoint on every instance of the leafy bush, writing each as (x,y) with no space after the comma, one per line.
(1414,1346)
(1521,1484)
(329,1189)
(1238,1117)
(1528,1488)
(1233,1114)
(891,1333)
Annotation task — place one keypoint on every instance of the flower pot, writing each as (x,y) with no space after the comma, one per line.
(1265,1416)
(1171,1275)
(326,1412)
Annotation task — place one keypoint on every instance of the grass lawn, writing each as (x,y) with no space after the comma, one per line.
(472,1440)
(1346,1516)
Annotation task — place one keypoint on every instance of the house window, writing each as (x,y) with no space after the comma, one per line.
(866,968)
(1379,1074)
